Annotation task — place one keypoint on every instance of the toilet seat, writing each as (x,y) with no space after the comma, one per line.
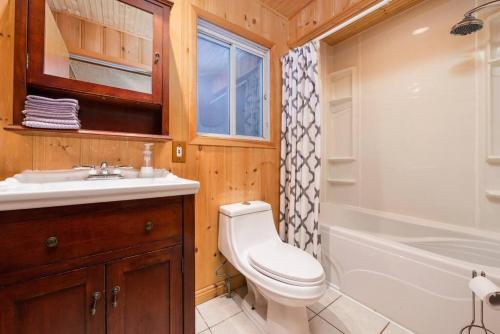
(286,264)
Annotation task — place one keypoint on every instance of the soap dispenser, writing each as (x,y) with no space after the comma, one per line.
(147,166)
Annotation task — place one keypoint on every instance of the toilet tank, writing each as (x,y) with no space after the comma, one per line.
(243,225)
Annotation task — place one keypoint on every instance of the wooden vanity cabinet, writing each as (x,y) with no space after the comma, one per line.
(145,293)
(55,304)
(145,286)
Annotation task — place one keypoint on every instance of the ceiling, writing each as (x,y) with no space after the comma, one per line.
(286,7)
(108,13)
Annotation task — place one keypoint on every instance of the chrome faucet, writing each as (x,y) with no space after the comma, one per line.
(105,172)
(104,169)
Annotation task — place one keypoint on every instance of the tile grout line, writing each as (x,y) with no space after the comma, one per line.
(220,322)
(324,308)
(331,324)
(201,316)
(383,329)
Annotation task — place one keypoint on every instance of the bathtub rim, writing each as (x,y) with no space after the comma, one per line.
(486,234)
(411,252)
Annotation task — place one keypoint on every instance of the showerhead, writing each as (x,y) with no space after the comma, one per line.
(468,25)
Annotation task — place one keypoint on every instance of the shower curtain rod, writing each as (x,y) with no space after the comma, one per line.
(353,19)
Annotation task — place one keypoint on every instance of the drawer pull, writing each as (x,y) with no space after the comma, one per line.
(95,298)
(114,293)
(148,227)
(51,242)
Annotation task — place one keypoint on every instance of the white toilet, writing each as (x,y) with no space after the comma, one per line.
(282,279)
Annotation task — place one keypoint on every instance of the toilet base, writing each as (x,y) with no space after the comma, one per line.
(274,318)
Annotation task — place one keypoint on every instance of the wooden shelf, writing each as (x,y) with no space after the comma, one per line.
(86,134)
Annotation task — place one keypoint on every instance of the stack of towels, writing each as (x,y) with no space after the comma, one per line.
(45,113)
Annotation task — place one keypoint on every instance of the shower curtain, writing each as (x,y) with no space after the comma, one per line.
(300,149)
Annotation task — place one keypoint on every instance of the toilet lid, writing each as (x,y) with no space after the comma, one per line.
(287,264)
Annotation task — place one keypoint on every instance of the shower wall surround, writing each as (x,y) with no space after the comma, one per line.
(419,130)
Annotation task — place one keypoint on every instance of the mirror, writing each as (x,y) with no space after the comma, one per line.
(106,42)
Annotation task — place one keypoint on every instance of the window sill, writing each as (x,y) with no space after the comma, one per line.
(232,142)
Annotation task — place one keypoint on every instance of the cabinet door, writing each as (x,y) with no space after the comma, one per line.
(145,294)
(58,304)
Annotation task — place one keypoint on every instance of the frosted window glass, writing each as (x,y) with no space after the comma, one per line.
(213,86)
(249,73)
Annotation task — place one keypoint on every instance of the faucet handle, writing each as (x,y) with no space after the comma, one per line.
(104,168)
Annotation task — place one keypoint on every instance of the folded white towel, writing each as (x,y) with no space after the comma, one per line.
(52,120)
(44,125)
(53,107)
(36,98)
(50,114)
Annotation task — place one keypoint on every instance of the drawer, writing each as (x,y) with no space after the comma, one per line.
(91,229)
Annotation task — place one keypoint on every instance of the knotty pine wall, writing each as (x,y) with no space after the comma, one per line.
(227,174)
(318,16)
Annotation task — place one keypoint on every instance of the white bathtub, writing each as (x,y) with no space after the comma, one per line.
(414,272)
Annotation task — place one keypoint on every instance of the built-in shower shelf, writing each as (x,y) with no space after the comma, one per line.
(341,159)
(493,160)
(340,101)
(494,60)
(495,194)
(341,181)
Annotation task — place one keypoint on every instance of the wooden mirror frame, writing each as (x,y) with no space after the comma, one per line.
(36,54)
(130,106)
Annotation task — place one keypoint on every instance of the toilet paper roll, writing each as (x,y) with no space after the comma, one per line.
(486,290)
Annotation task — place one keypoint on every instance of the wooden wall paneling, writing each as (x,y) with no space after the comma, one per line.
(161,155)
(395,7)
(180,72)
(131,48)
(92,37)
(71,30)
(270,178)
(122,153)
(250,18)
(56,53)
(55,152)
(212,177)
(321,15)
(16,152)
(287,8)
(112,42)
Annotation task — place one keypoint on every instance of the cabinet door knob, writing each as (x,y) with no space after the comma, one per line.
(148,227)
(51,242)
(96,296)
(114,293)
(157,57)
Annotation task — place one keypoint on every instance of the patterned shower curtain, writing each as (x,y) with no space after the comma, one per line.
(300,149)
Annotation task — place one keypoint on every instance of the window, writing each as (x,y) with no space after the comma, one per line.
(233,85)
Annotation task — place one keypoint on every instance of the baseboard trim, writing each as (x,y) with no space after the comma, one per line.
(217,289)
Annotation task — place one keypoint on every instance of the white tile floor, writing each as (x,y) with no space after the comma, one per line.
(332,314)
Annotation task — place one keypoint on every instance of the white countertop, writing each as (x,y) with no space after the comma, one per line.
(15,195)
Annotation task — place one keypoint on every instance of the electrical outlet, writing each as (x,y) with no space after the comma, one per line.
(179,151)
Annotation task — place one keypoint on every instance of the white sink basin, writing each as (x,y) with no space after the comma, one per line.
(15,195)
